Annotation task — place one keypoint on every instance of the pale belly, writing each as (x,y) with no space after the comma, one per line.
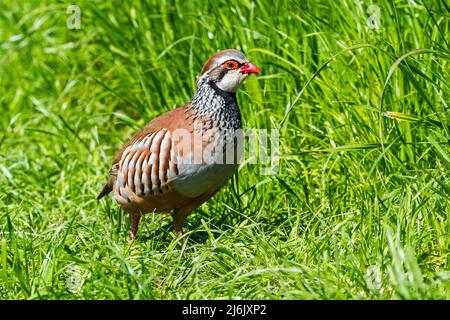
(196,179)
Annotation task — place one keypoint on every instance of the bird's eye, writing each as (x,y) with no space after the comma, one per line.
(231,64)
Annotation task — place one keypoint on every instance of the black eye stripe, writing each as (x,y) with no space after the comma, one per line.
(222,74)
(217,73)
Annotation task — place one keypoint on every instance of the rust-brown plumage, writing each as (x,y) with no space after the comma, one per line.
(154,172)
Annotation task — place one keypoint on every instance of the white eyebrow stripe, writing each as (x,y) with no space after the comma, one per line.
(230,56)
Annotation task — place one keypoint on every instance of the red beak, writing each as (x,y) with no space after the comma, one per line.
(249,68)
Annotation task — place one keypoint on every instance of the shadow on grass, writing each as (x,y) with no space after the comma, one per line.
(217,220)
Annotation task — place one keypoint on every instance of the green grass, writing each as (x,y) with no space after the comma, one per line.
(360,208)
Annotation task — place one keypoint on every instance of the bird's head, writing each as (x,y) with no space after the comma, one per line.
(227,69)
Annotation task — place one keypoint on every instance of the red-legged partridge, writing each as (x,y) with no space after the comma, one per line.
(181,159)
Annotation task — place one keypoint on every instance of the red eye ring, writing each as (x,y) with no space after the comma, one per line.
(231,64)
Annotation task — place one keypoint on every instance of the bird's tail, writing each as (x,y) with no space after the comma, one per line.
(106,189)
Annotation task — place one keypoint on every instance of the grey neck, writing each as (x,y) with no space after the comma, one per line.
(217,105)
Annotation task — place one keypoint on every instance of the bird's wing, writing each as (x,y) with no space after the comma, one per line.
(153,135)
(147,165)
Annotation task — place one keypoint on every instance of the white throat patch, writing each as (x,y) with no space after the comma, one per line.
(232,81)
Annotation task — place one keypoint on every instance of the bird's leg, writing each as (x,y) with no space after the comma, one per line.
(179,215)
(134,225)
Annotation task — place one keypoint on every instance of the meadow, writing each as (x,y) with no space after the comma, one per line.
(359,207)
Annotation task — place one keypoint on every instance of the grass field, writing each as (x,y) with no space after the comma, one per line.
(359,209)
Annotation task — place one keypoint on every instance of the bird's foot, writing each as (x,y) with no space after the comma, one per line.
(182,241)
(132,237)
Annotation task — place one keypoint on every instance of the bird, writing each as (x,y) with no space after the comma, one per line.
(160,170)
